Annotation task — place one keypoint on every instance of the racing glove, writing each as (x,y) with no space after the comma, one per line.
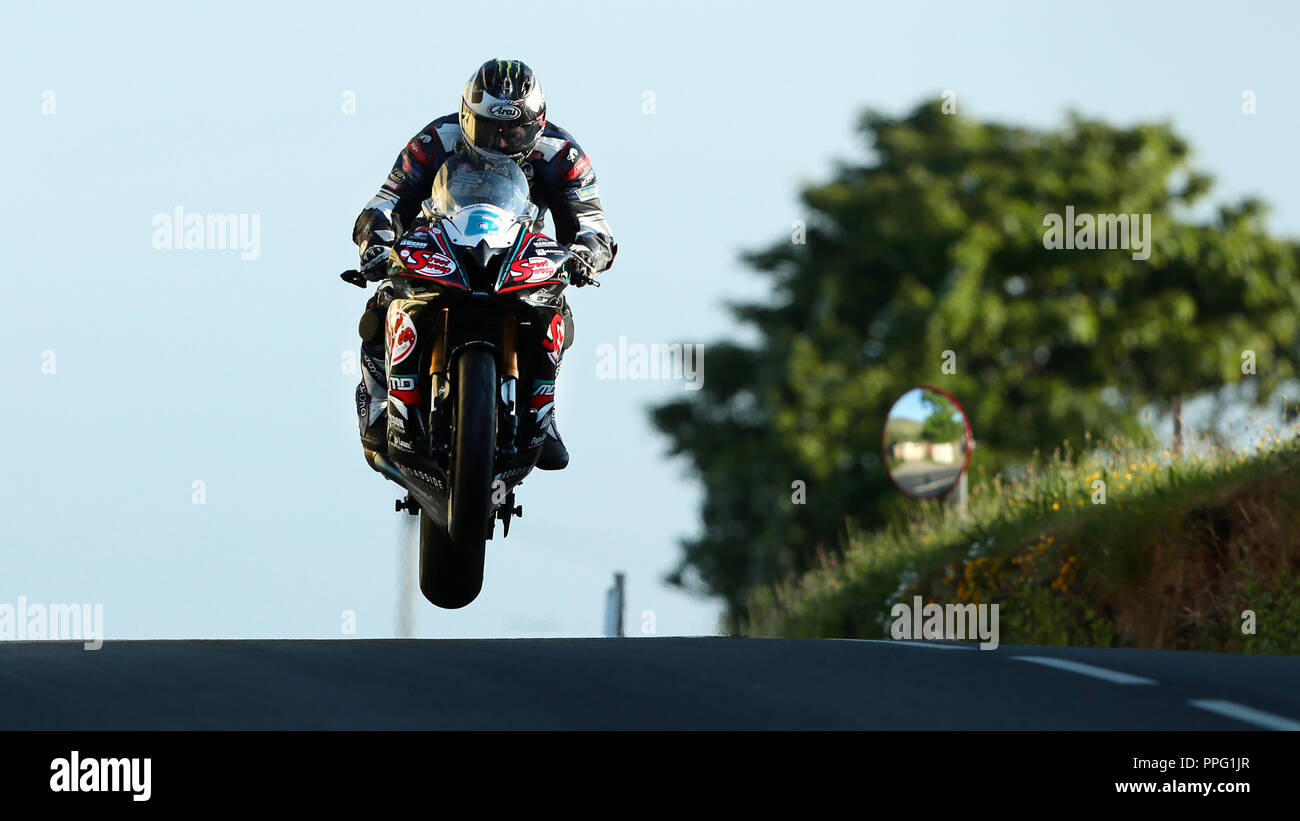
(581,265)
(374,262)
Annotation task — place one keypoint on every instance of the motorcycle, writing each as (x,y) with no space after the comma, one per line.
(476,313)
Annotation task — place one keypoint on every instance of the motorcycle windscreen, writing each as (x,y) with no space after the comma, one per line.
(467,179)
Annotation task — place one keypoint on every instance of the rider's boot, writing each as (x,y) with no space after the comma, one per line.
(554,456)
(372,401)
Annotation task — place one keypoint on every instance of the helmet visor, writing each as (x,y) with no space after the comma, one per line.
(512,138)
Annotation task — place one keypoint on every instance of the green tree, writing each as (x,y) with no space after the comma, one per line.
(941,427)
(933,248)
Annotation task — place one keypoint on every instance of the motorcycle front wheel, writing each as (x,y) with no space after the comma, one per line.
(449,578)
(474,446)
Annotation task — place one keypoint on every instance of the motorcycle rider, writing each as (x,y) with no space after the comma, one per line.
(502,113)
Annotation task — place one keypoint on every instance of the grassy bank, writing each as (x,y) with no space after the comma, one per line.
(1123,547)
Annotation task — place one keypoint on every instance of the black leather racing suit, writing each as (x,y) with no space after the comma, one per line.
(559,174)
(561,181)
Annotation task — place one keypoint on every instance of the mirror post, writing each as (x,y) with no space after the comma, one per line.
(614,609)
(957,499)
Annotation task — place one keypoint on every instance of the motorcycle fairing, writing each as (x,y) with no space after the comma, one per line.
(423,253)
(483,223)
(535,262)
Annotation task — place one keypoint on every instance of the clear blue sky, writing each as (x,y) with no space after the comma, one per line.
(176,366)
(909,406)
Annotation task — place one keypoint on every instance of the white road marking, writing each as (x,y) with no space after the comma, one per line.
(1247,714)
(1113,676)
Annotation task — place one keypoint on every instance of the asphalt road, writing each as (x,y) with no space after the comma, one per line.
(635,683)
(925,478)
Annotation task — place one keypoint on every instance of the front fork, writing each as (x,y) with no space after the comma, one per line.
(507,413)
(440,391)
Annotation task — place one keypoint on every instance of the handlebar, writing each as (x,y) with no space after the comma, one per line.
(358,279)
(580,279)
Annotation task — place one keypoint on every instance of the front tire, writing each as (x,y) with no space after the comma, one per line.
(470,504)
(449,578)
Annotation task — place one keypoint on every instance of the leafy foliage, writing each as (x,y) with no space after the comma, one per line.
(934,244)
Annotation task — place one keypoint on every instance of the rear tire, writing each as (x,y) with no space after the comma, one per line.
(449,578)
(470,503)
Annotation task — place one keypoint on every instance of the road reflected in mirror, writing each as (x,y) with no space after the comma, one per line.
(927,442)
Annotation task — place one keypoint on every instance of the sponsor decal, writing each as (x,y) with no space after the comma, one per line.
(429,263)
(401,336)
(401,383)
(406,396)
(532,269)
(581,167)
(504,111)
(554,341)
(424,477)
(417,150)
(588,192)
(416,239)
(482,222)
(375,369)
(367,411)
(512,473)
(542,403)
